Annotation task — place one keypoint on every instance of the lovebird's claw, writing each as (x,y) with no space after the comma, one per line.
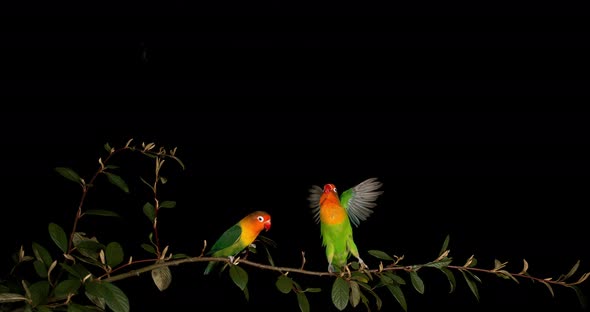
(363,265)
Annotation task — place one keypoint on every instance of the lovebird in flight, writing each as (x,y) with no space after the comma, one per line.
(336,214)
(238,237)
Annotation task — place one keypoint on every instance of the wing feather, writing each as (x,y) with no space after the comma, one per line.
(359,200)
(315,192)
(228,238)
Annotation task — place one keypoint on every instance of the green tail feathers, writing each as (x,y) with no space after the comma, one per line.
(209,267)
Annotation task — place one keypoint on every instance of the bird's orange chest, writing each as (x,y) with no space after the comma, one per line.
(331,212)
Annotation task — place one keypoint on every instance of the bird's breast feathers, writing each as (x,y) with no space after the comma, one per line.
(332,214)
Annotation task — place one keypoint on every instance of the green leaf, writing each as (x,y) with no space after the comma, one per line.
(150,211)
(340,293)
(397,293)
(417,282)
(549,287)
(239,276)
(69,174)
(40,268)
(89,248)
(148,248)
(168,204)
(179,162)
(475,277)
(74,307)
(312,290)
(100,212)
(284,284)
(162,277)
(146,183)
(42,254)
(10,297)
(58,235)
(39,292)
(115,298)
(572,270)
(179,256)
(43,308)
(303,302)
(246,293)
(117,181)
(98,301)
(451,279)
(355,293)
(66,287)
(380,255)
(359,276)
(439,264)
(471,284)
(394,277)
(369,289)
(581,297)
(114,254)
(445,245)
(107,147)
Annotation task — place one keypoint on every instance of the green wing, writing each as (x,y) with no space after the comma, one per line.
(228,238)
(359,201)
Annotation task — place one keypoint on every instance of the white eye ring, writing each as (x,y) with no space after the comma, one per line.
(260,218)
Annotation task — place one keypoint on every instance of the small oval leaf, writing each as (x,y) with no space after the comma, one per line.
(149,211)
(397,293)
(340,293)
(162,277)
(380,255)
(117,181)
(39,292)
(471,284)
(66,287)
(239,276)
(100,212)
(417,282)
(40,268)
(303,302)
(168,204)
(451,279)
(355,293)
(115,298)
(69,174)
(284,284)
(58,235)
(148,248)
(114,254)
(42,254)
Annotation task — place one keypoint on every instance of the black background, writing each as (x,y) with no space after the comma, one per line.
(471,138)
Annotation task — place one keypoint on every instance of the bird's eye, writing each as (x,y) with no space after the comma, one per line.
(260,218)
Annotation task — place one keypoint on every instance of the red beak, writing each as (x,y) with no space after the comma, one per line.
(267,225)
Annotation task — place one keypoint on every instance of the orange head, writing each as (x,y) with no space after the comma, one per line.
(329,188)
(257,220)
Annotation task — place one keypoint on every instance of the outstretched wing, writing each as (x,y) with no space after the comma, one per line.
(359,201)
(229,237)
(315,192)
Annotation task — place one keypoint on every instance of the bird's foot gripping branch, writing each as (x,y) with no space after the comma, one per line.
(78,272)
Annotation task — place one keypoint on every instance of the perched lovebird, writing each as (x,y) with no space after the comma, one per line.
(238,237)
(335,216)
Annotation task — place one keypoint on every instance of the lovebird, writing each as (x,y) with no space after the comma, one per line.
(238,237)
(336,214)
